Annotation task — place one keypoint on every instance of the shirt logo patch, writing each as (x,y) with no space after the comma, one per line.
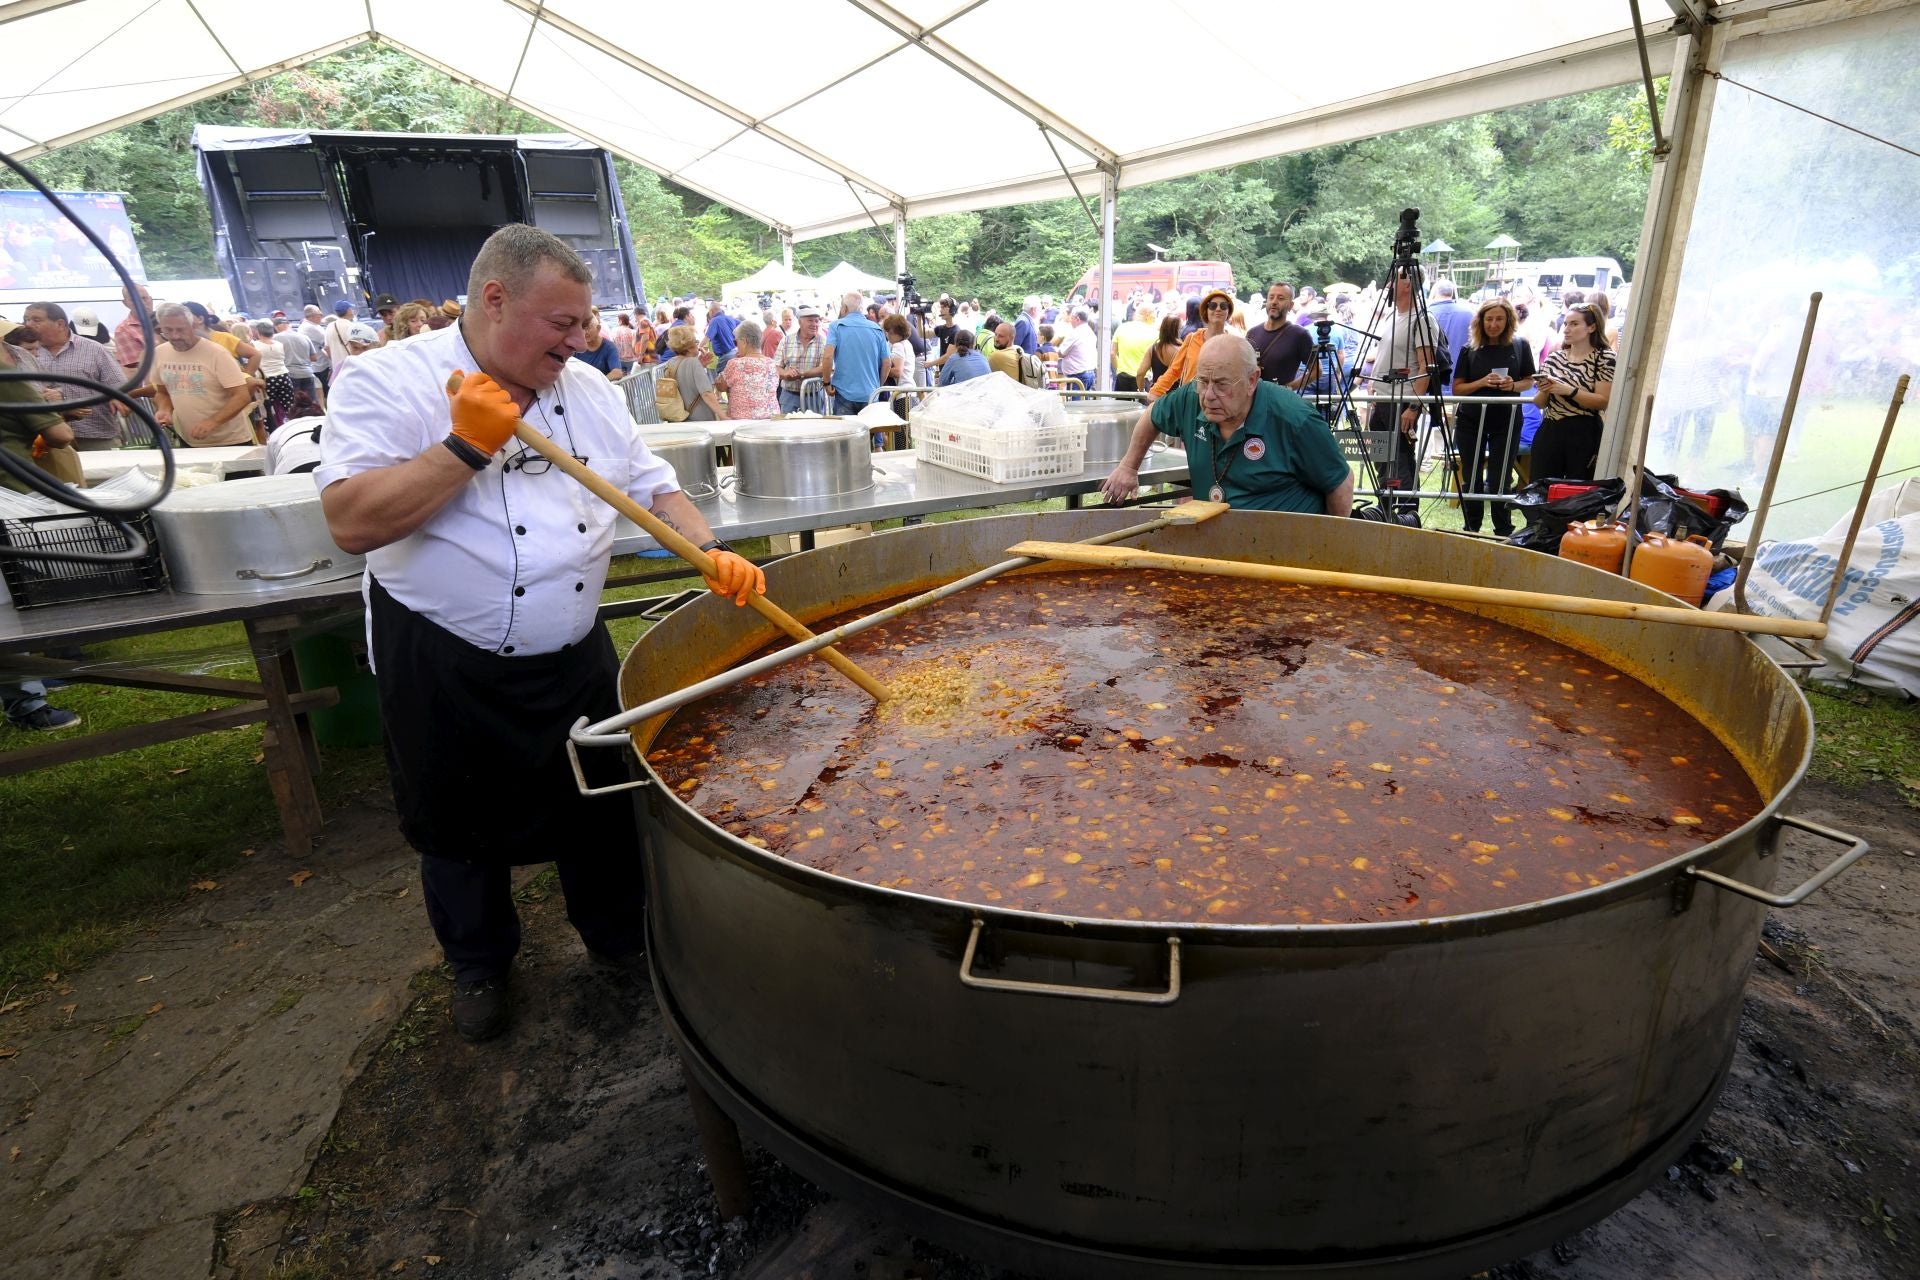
(1256,449)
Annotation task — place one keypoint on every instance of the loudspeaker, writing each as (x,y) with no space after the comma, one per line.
(608,288)
(326,257)
(255,293)
(324,289)
(284,284)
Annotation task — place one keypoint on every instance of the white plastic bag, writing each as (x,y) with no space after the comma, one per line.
(1873,637)
(992,402)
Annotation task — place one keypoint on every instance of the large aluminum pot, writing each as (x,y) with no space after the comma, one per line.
(1109,427)
(1406,1099)
(809,458)
(689,451)
(247,537)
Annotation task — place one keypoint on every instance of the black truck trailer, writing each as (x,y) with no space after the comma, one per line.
(305,217)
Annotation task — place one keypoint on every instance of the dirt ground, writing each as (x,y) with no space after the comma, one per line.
(567,1150)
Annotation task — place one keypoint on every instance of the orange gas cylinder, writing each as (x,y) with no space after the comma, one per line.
(1675,567)
(1596,542)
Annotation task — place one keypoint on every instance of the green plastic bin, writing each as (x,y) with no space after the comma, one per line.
(339,658)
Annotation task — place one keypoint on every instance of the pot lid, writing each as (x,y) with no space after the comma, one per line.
(798,432)
(675,437)
(244,494)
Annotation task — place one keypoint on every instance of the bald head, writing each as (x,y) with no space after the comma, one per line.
(1229,372)
(1003,336)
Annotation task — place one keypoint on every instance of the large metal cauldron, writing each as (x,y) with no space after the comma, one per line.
(1405,1099)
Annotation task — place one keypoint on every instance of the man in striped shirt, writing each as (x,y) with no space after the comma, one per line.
(799,358)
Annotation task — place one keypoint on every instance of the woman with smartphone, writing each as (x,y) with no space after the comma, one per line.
(1497,361)
(1573,389)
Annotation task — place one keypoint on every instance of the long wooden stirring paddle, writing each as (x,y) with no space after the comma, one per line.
(1128,558)
(672,539)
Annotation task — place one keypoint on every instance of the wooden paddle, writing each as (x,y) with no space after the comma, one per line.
(670,538)
(1127,558)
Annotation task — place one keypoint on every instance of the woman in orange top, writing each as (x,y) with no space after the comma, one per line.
(1215,308)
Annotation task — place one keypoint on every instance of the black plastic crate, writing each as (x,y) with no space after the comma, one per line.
(33,581)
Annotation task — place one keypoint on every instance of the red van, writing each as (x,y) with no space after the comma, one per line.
(1156,279)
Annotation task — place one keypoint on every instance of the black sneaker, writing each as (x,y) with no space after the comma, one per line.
(632,965)
(481,1010)
(46,718)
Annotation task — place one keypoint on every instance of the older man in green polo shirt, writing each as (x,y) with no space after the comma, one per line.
(1254,445)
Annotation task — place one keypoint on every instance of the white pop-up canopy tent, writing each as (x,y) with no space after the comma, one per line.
(845,278)
(789,123)
(775,277)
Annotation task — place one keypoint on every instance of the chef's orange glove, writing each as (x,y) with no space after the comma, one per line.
(738,577)
(39,447)
(484,415)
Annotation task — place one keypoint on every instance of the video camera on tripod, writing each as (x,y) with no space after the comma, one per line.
(910,298)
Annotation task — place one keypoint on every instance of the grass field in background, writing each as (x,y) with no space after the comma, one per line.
(91,851)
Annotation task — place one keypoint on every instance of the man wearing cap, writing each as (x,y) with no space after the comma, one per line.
(799,358)
(1249,443)
(384,307)
(201,391)
(335,335)
(484,572)
(59,352)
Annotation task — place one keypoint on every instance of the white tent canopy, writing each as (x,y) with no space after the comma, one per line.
(788,124)
(846,277)
(775,277)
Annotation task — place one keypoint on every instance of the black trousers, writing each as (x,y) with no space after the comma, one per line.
(471,907)
(1566,448)
(1488,438)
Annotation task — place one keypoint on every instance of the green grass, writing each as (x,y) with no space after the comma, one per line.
(93,849)
(1865,737)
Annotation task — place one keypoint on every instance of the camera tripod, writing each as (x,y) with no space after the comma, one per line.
(1337,405)
(1409,328)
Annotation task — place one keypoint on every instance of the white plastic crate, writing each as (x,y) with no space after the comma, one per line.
(1004,456)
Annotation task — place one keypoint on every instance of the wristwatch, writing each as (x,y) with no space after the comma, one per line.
(715,545)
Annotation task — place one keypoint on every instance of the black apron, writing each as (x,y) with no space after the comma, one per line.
(477,743)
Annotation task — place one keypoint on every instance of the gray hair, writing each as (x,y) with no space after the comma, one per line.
(853,301)
(263,327)
(173,311)
(747,336)
(513,254)
(1236,345)
(1443,288)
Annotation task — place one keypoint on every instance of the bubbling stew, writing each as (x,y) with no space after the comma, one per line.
(1162,746)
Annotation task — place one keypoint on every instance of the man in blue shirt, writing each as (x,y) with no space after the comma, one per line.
(1250,443)
(1455,319)
(964,362)
(720,327)
(855,353)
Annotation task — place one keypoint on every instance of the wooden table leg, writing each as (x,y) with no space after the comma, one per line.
(720,1144)
(292,757)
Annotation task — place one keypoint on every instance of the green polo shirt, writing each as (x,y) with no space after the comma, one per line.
(1293,467)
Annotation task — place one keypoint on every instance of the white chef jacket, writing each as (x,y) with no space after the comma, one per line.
(515,562)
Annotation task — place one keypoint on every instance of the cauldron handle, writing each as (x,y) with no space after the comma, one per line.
(1070,990)
(1857,850)
(592,740)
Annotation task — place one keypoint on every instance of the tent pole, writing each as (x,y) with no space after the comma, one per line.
(1663,232)
(786,252)
(899,242)
(1109,197)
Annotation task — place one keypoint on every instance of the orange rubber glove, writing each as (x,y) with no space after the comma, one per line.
(484,415)
(739,577)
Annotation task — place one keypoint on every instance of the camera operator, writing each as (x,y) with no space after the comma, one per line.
(1401,361)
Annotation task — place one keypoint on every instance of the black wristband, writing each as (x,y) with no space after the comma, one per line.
(715,545)
(465,452)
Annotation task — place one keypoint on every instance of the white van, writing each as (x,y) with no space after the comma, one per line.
(1585,274)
